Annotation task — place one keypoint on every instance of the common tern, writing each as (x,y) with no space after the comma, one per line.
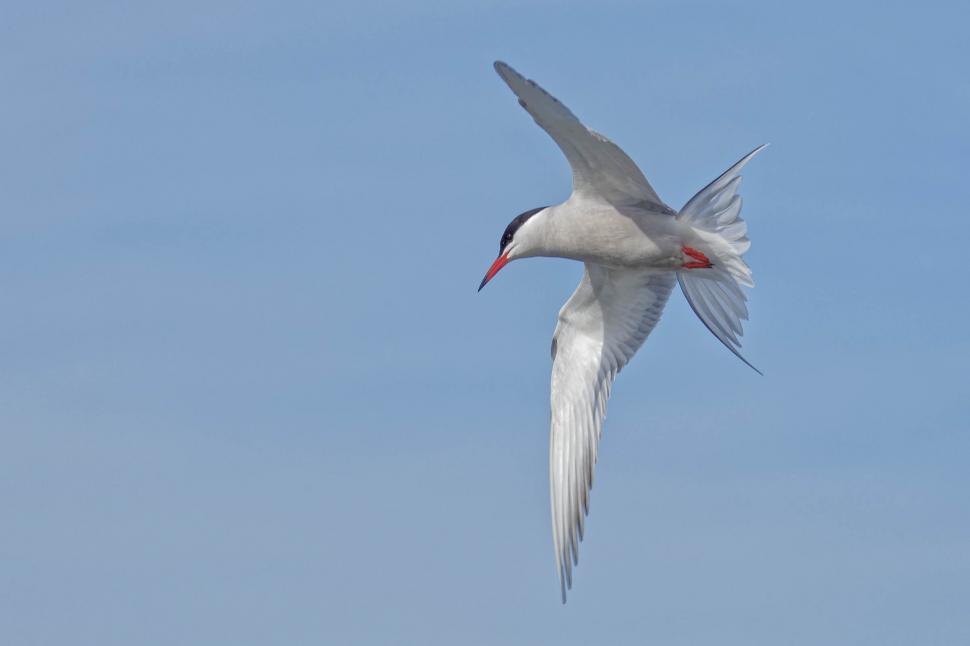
(634,248)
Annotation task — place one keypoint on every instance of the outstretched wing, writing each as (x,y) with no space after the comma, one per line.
(600,168)
(601,326)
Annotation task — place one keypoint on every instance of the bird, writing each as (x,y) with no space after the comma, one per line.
(634,248)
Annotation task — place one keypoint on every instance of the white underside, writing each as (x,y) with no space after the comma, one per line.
(632,245)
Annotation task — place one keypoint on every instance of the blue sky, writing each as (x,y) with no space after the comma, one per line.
(250,394)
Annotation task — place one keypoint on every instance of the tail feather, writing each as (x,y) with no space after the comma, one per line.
(715,294)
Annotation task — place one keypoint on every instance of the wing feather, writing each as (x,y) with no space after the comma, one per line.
(600,168)
(600,328)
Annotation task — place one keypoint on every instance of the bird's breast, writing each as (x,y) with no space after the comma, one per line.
(607,236)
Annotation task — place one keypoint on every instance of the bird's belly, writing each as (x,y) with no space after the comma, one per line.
(621,241)
(634,253)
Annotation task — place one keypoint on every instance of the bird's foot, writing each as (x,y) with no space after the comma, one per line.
(700,260)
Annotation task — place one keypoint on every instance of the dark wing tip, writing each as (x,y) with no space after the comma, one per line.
(508,73)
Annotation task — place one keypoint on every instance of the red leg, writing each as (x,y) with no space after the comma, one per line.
(703,262)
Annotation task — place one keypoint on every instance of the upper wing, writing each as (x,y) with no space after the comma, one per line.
(600,328)
(600,168)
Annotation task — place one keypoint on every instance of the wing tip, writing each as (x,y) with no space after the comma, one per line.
(565,584)
(505,70)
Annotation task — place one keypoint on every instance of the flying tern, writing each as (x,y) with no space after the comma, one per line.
(634,248)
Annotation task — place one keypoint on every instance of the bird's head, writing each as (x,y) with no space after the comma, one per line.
(519,240)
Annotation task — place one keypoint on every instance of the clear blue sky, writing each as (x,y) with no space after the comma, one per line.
(249,394)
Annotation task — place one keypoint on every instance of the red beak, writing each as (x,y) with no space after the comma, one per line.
(500,262)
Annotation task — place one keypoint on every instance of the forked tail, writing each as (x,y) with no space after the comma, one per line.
(715,293)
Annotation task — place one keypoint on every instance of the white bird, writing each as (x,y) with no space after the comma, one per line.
(634,248)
